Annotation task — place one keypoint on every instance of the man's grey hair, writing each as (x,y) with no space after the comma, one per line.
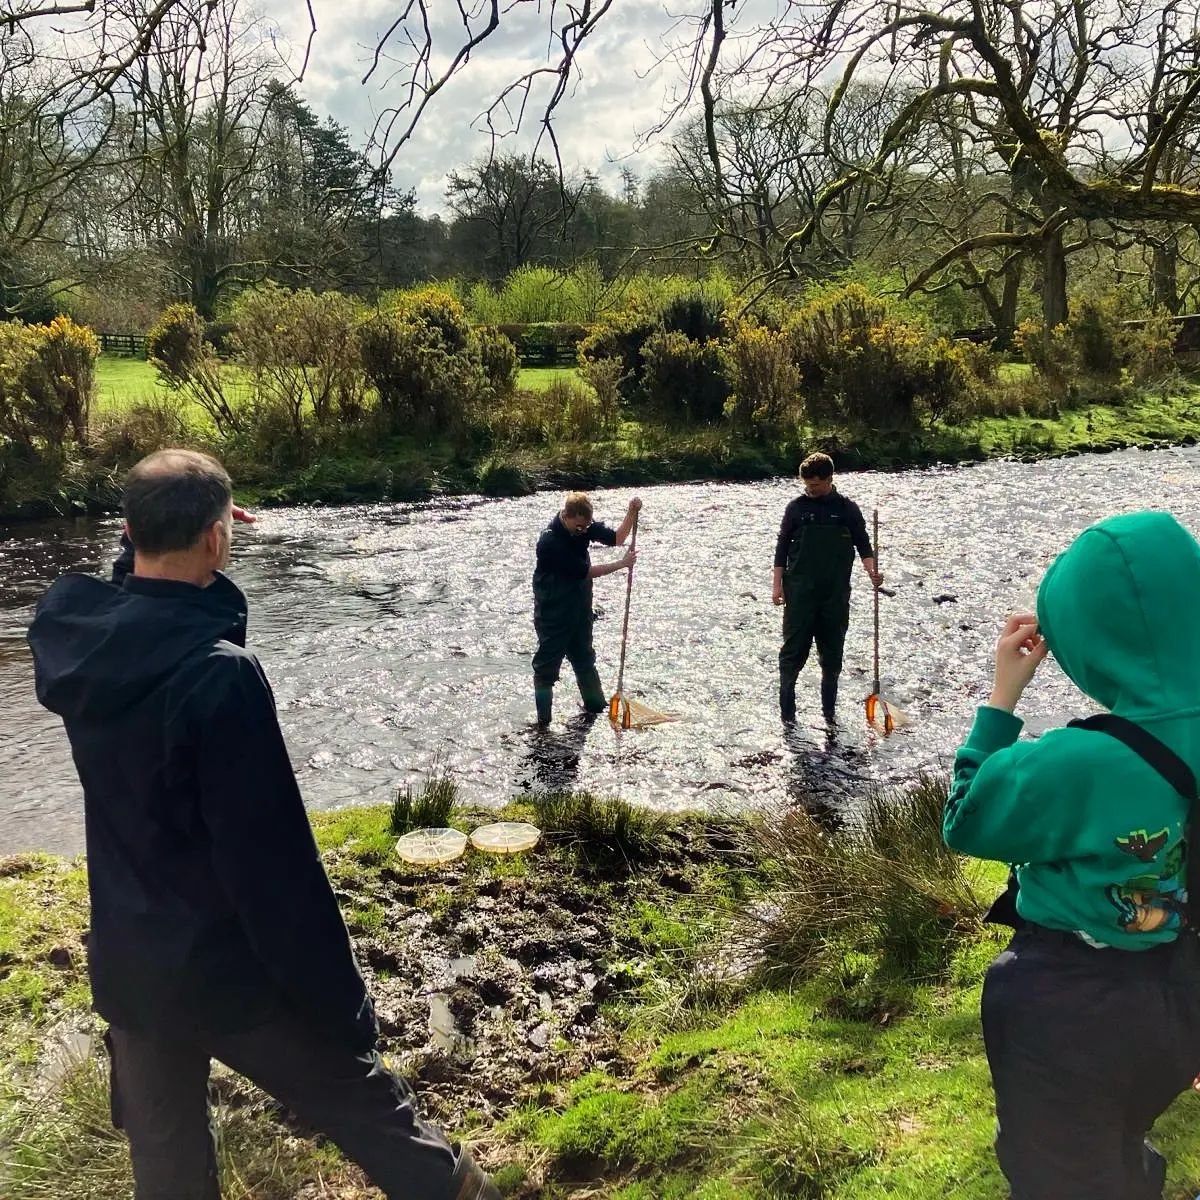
(172,497)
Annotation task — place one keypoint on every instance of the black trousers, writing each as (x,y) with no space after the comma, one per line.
(160,1100)
(572,641)
(1087,1048)
(810,616)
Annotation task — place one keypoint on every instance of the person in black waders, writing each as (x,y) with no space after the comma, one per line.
(562,599)
(820,532)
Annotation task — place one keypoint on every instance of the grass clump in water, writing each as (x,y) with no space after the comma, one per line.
(431,807)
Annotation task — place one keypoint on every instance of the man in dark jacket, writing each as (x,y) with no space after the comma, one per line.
(214,930)
(820,532)
(562,599)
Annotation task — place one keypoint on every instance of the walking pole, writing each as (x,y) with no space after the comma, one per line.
(875,701)
(618,706)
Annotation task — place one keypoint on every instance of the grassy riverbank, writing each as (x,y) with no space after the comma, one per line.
(641,1008)
(639,452)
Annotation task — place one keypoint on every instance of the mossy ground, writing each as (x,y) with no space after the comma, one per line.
(684,1082)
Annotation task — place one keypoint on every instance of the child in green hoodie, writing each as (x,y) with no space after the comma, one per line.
(1091,1016)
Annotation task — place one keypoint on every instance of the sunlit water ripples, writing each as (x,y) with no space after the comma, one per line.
(396,633)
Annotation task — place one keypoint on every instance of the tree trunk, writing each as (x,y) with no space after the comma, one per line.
(1165,275)
(1054,282)
(1006,322)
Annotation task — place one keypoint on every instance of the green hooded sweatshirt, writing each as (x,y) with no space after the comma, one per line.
(1095,832)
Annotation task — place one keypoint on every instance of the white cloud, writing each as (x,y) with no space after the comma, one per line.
(617,94)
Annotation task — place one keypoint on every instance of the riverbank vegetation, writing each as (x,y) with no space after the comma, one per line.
(643,1007)
(320,397)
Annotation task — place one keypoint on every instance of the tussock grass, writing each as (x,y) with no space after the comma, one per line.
(885,886)
(602,831)
(431,807)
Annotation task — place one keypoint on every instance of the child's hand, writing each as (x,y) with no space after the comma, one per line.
(1018,653)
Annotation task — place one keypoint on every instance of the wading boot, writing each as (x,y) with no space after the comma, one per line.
(829,691)
(787,698)
(469,1181)
(591,691)
(543,699)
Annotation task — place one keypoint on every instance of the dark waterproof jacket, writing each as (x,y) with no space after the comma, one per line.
(817,541)
(210,905)
(562,591)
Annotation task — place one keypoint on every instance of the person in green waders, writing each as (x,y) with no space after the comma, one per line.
(562,599)
(820,532)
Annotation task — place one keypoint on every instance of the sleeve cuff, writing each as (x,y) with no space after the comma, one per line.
(994,729)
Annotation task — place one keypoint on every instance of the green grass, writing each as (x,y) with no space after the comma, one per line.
(538,379)
(122,381)
(754,1092)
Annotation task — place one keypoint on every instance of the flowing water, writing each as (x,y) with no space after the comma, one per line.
(399,635)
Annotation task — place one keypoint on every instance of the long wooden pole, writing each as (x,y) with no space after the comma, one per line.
(625,622)
(875,530)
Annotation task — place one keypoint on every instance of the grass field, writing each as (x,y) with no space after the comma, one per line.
(121,381)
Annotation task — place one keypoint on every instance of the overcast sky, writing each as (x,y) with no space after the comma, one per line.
(618,96)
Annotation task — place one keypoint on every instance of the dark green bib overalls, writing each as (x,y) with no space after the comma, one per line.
(816,592)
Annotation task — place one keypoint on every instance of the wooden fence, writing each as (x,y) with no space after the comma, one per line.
(133,345)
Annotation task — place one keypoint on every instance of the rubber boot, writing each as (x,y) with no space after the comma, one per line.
(543,699)
(787,698)
(469,1181)
(829,691)
(591,691)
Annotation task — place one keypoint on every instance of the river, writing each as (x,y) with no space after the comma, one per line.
(398,636)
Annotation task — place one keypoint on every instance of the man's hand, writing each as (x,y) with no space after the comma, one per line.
(629,559)
(776,595)
(240,514)
(635,505)
(1019,652)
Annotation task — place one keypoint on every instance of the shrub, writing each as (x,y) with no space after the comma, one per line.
(604,376)
(861,367)
(426,376)
(439,310)
(1098,334)
(155,423)
(698,317)
(564,411)
(547,344)
(22,418)
(47,379)
(498,356)
(765,380)
(175,343)
(67,376)
(887,887)
(684,379)
(623,337)
(1150,346)
(302,351)
(219,335)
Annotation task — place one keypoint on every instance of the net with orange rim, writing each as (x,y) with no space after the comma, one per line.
(632,714)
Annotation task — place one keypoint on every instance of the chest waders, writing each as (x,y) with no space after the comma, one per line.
(563,623)
(816,594)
